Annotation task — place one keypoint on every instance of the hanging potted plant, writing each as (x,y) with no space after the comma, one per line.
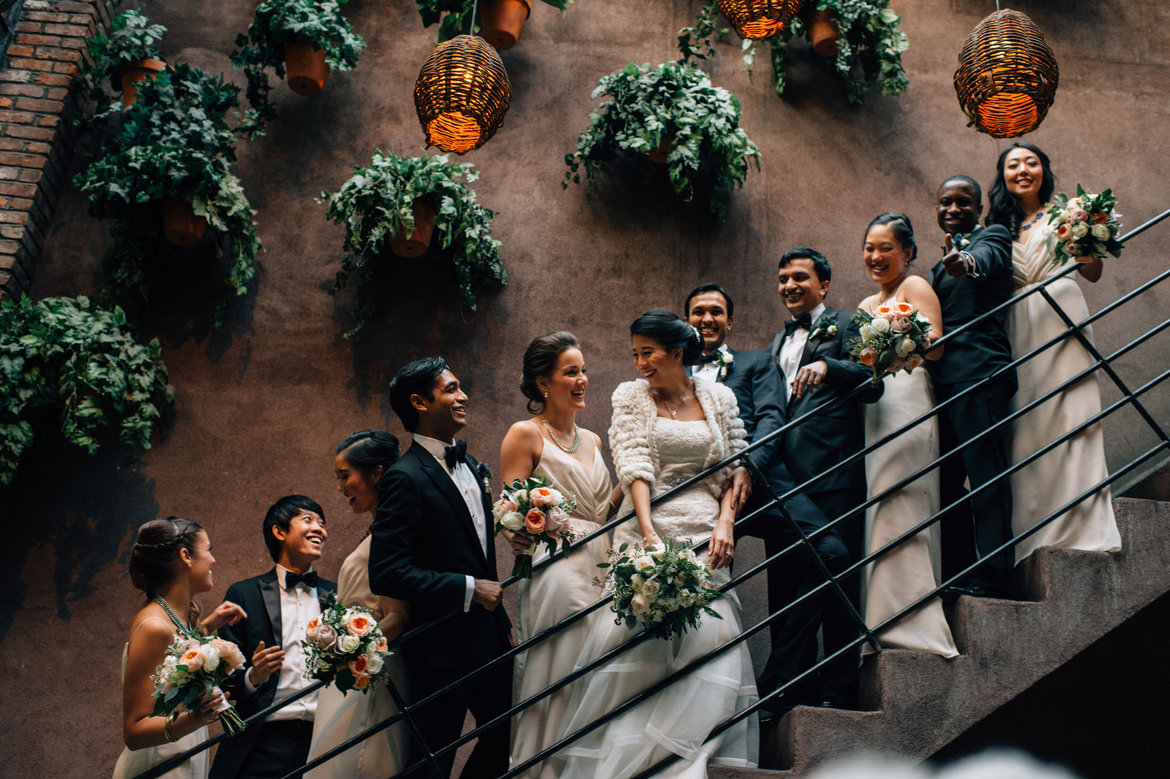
(395,204)
(125,55)
(672,109)
(861,39)
(307,39)
(172,155)
(83,364)
(499,22)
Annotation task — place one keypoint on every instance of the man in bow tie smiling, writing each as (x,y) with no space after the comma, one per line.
(432,546)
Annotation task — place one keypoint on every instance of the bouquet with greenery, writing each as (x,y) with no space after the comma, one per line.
(345,647)
(532,507)
(1086,226)
(664,588)
(193,669)
(893,338)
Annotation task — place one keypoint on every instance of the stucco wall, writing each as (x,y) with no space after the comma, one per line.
(262,402)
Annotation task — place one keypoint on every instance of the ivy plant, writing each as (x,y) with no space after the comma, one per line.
(454,16)
(67,356)
(130,38)
(376,202)
(174,141)
(869,52)
(673,104)
(278,22)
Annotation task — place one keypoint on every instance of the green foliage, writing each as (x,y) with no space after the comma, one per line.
(377,201)
(173,142)
(869,52)
(65,353)
(454,16)
(129,39)
(279,22)
(673,103)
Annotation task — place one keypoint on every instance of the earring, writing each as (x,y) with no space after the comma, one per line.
(546,394)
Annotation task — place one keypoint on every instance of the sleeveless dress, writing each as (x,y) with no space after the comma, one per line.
(552,594)
(910,570)
(133,762)
(679,718)
(1058,477)
(341,716)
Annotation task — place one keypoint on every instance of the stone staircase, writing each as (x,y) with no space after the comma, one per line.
(919,702)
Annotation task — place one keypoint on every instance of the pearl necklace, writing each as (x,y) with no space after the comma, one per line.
(166,607)
(556,439)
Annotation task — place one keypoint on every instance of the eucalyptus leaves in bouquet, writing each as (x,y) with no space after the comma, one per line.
(82,362)
(869,52)
(130,38)
(673,105)
(378,201)
(280,22)
(454,16)
(174,141)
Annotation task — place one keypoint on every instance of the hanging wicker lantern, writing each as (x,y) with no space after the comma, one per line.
(462,94)
(758,19)
(1007,75)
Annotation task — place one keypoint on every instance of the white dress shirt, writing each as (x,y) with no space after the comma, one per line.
(793,348)
(298,607)
(709,371)
(468,485)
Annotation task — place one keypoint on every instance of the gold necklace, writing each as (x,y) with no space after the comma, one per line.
(673,412)
(556,440)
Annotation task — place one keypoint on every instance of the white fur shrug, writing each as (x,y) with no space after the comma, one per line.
(631,432)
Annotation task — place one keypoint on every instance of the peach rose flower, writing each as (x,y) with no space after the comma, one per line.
(867,357)
(361,682)
(542,496)
(535,521)
(1064,231)
(358,666)
(504,506)
(229,653)
(884,311)
(903,308)
(358,623)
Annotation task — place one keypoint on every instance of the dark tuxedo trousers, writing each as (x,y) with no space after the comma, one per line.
(262,749)
(983,522)
(759,393)
(423,546)
(810,449)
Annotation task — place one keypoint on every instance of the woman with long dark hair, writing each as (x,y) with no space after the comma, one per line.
(171,563)
(1024,184)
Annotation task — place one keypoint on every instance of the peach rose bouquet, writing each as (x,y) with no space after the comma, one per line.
(1085,226)
(345,647)
(193,669)
(893,338)
(531,506)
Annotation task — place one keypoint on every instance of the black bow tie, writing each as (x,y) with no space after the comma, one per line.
(455,454)
(292,579)
(802,321)
(709,357)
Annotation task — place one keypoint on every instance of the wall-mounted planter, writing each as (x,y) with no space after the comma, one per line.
(823,33)
(417,243)
(502,21)
(306,66)
(181,226)
(138,71)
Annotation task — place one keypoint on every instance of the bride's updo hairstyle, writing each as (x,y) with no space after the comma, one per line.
(154,558)
(540,358)
(671,332)
(368,450)
(900,225)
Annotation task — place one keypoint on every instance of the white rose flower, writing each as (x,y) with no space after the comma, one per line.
(650,588)
(831,330)
(636,581)
(880,325)
(867,333)
(513,521)
(643,562)
(1101,232)
(639,605)
(374,663)
(348,643)
(1080,230)
(210,657)
(905,346)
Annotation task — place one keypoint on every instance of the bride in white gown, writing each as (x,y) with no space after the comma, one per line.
(912,569)
(553,446)
(666,429)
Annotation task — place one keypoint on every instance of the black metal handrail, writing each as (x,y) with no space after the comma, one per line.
(831,580)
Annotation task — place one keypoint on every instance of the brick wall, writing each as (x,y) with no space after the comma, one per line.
(36,84)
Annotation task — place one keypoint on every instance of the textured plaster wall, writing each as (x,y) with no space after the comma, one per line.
(262,402)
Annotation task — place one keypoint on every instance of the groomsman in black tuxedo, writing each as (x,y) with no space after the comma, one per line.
(280,604)
(811,355)
(760,395)
(973,277)
(432,546)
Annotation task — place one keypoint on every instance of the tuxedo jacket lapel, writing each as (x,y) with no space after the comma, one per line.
(446,485)
(270,594)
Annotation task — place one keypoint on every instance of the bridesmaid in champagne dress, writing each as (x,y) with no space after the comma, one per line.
(359,463)
(912,569)
(551,445)
(1024,184)
(170,562)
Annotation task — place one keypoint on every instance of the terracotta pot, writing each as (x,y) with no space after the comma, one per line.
(417,243)
(135,72)
(502,21)
(660,152)
(180,224)
(822,32)
(306,66)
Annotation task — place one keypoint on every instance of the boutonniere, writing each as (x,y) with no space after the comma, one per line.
(826,328)
(485,476)
(723,359)
(960,241)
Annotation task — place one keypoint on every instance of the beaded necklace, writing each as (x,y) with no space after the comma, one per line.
(166,607)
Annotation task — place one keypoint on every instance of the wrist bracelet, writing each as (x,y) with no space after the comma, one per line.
(170,737)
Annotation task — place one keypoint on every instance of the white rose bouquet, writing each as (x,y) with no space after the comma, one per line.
(533,507)
(1086,226)
(345,647)
(893,338)
(193,668)
(664,588)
